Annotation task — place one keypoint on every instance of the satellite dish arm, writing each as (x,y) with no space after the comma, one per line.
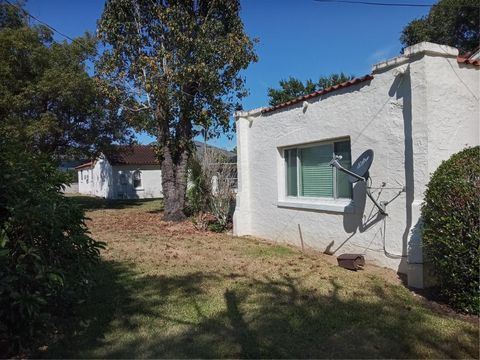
(337,165)
(381,207)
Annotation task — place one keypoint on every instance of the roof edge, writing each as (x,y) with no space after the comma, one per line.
(318,93)
(464,60)
(84,165)
(248,113)
(425,47)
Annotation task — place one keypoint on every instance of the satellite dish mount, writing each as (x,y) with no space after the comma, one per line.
(359,172)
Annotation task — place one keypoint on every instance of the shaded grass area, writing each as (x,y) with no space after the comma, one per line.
(90,203)
(167,291)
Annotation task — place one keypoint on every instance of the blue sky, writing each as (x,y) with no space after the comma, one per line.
(301,38)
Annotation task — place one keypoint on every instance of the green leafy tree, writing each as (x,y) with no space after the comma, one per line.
(48,106)
(450,22)
(290,89)
(181,60)
(11,17)
(333,79)
(293,88)
(48,101)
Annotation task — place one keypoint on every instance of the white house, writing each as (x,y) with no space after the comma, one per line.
(131,173)
(413,111)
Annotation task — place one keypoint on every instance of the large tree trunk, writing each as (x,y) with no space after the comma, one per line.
(174,183)
(174,156)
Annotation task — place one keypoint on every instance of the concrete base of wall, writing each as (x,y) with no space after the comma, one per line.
(415,276)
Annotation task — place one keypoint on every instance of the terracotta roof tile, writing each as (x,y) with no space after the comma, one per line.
(319,93)
(143,155)
(467,61)
(133,155)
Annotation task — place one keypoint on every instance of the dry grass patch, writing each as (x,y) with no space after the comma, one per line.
(167,290)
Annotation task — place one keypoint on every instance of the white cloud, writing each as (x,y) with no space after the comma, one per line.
(382,54)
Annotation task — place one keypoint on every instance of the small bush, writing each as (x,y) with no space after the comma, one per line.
(211,190)
(71,176)
(451,231)
(198,189)
(217,227)
(46,255)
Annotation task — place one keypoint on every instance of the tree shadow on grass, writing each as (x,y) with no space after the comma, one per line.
(97,203)
(212,315)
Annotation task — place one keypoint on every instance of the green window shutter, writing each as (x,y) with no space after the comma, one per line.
(291,166)
(344,188)
(316,175)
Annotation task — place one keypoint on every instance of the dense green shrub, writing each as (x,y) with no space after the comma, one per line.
(451,231)
(46,255)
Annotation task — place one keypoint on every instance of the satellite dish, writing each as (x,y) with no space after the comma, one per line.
(359,172)
(361,166)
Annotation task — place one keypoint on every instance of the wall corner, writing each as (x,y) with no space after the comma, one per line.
(241,216)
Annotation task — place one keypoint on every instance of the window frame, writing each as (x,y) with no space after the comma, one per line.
(122,178)
(298,147)
(140,186)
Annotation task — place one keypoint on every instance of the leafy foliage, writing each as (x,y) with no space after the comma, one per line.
(181,61)
(10,17)
(451,232)
(450,22)
(46,255)
(71,176)
(197,199)
(293,88)
(40,84)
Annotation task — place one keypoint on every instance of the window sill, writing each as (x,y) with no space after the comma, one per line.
(139,189)
(344,206)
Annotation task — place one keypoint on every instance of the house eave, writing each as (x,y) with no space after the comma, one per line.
(417,50)
(249,113)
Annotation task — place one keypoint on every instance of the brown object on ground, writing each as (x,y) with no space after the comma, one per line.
(351,261)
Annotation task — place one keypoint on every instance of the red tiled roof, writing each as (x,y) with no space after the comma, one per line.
(83,166)
(133,155)
(319,93)
(467,61)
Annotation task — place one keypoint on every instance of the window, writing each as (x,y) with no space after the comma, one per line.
(123,179)
(137,179)
(308,173)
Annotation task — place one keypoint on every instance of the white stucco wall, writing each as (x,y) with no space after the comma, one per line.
(104,180)
(71,188)
(151,182)
(85,181)
(98,178)
(406,114)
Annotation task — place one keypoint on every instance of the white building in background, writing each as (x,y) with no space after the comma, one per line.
(131,173)
(414,111)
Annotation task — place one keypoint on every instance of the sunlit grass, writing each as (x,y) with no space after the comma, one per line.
(167,290)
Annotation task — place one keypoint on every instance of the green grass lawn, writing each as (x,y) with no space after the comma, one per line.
(165,290)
